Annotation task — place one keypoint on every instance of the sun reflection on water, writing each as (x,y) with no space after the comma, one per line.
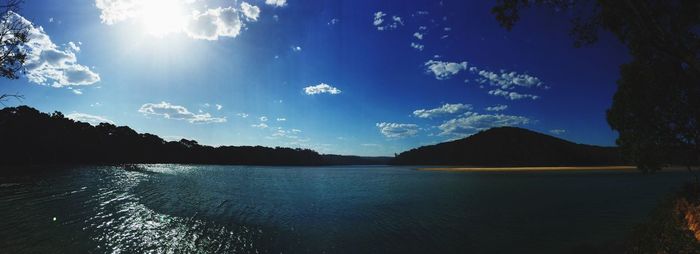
(122,223)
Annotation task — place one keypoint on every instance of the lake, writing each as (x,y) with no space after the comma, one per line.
(344,209)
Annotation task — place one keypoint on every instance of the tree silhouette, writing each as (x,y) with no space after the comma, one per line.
(31,137)
(13,34)
(656,109)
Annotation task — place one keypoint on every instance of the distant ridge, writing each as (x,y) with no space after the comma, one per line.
(508,147)
(30,137)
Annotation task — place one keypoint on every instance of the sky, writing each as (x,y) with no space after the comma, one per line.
(360,77)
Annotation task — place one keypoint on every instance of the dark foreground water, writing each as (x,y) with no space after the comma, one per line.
(215,209)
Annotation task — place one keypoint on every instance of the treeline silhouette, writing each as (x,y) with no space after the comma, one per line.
(510,146)
(30,137)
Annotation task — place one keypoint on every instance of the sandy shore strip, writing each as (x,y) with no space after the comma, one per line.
(522,169)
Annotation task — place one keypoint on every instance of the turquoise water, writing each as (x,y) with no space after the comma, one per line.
(358,209)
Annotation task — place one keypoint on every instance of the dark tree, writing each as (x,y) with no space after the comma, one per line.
(657,105)
(14,33)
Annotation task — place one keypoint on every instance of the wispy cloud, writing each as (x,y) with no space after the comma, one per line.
(176,112)
(417,46)
(512,95)
(87,118)
(499,107)
(397,130)
(471,122)
(321,88)
(508,80)
(443,110)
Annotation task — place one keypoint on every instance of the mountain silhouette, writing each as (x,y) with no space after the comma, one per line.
(510,146)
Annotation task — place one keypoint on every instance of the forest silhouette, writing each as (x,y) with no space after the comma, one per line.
(30,137)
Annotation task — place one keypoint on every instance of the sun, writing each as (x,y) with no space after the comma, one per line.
(162,17)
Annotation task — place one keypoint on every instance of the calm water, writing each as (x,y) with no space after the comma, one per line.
(189,209)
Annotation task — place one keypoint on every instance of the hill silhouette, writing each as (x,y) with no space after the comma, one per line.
(510,146)
(30,137)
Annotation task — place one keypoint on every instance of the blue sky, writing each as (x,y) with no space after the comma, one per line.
(347,77)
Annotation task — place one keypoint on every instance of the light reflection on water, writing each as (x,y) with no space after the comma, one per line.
(237,209)
(122,223)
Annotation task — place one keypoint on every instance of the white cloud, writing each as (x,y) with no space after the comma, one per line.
(74,46)
(417,46)
(397,130)
(218,106)
(333,21)
(508,80)
(470,123)
(243,115)
(290,134)
(113,11)
(418,35)
(214,23)
(444,70)
(183,16)
(321,88)
(446,109)
(296,48)
(276,3)
(260,125)
(77,91)
(263,118)
(281,119)
(250,11)
(499,107)
(381,25)
(557,131)
(378,18)
(87,118)
(47,64)
(176,112)
(512,95)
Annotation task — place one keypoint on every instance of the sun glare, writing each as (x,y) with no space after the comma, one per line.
(161,17)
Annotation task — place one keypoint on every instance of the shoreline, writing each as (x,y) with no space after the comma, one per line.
(532,169)
(617,168)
